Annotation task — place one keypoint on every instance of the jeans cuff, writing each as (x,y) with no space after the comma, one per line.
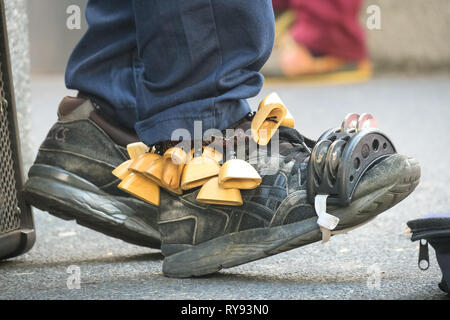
(161,126)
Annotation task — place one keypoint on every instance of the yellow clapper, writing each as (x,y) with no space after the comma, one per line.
(237,173)
(212,193)
(270,115)
(174,160)
(133,182)
(202,166)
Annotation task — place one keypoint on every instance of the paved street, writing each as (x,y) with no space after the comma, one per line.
(414,112)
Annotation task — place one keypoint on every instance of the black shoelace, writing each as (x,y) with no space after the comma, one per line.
(293,145)
(300,145)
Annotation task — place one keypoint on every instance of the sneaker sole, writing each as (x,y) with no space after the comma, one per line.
(70,197)
(400,176)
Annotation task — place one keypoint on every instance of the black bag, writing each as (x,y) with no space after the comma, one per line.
(434,229)
(17,233)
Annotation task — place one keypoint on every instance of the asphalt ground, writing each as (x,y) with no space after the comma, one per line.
(376,261)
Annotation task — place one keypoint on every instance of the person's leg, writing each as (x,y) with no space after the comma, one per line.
(201,60)
(104,63)
(330,27)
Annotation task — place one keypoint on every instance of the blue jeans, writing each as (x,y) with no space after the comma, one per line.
(160,65)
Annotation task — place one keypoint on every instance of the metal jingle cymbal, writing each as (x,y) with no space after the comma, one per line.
(366,121)
(350,122)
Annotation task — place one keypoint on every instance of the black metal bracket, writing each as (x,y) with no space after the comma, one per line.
(339,160)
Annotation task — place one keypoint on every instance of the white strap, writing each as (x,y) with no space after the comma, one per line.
(326,221)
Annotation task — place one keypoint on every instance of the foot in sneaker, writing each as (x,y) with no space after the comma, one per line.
(200,239)
(71,177)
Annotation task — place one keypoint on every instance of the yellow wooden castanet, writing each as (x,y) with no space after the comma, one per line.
(141,187)
(212,193)
(289,120)
(268,118)
(177,191)
(198,171)
(237,173)
(208,152)
(136,149)
(154,171)
(174,160)
(143,162)
(150,166)
(122,171)
(212,153)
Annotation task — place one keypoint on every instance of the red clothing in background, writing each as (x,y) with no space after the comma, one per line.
(328,27)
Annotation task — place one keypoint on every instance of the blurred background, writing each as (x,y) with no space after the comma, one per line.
(414,35)
(409,94)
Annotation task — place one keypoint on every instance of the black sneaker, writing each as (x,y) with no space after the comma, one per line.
(71,177)
(200,239)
